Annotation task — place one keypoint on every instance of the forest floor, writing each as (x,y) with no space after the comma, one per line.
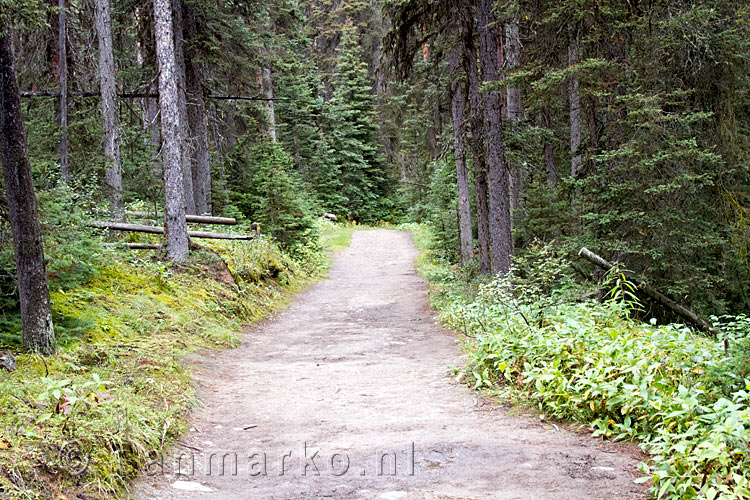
(357,371)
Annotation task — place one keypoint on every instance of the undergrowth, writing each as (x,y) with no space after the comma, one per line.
(85,421)
(533,335)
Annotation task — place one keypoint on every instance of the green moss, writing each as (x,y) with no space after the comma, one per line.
(118,390)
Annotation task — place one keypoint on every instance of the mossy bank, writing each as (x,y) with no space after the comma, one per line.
(84,422)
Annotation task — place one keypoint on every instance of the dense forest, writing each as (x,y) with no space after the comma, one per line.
(515,132)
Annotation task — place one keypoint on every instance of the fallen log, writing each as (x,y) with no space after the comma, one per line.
(659,297)
(219,236)
(140,228)
(202,219)
(136,246)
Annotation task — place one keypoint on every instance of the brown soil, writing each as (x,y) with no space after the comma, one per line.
(356,370)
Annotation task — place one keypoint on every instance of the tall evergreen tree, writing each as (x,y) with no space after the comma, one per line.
(351,127)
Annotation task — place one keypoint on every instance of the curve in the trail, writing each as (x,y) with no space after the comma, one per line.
(355,370)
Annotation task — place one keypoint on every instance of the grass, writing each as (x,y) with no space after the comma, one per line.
(85,421)
(335,237)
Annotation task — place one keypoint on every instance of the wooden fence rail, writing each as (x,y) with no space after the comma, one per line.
(140,228)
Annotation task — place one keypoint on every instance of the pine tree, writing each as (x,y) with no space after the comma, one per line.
(353,134)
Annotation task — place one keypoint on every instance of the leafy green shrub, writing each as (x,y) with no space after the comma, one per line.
(731,373)
(591,362)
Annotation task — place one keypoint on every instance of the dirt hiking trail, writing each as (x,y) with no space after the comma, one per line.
(355,370)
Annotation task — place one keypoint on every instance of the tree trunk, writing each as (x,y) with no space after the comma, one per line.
(186,146)
(478,160)
(497,172)
(458,100)
(575,106)
(266,89)
(150,105)
(514,112)
(549,149)
(174,214)
(63,68)
(220,177)
(110,123)
(31,271)
(151,124)
(200,167)
(514,105)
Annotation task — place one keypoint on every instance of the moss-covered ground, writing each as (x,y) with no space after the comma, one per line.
(84,422)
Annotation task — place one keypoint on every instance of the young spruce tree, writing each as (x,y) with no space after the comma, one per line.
(353,134)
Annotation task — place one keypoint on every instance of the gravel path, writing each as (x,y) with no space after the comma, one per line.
(355,370)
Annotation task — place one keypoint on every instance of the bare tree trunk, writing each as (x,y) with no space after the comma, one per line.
(266,89)
(151,123)
(514,105)
(186,146)
(458,100)
(175,226)
(575,106)
(549,150)
(63,67)
(110,124)
(514,112)
(31,271)
(220,178)
(497,171)
(200,167)
(478,160)
(231,126)
(150,105)
(432,132)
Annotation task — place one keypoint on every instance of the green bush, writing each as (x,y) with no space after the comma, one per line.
(591,362)
(729,377)
(274,196)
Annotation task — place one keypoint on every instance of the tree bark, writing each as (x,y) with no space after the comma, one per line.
(458,100)
(575,106)
(497,172)
(63,68)
(151,124)
(186,146)
(174,214)
(266,89)
(478,159)
(514,112)
(220,177)
(110,123)
(150,104)
(31,271)
(514,104)
(196,108)
(549,150)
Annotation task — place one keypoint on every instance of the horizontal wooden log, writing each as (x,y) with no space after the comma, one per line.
(200,219)
(140,228)
(219,236)
(654,294)
(121,226)
(136,246)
